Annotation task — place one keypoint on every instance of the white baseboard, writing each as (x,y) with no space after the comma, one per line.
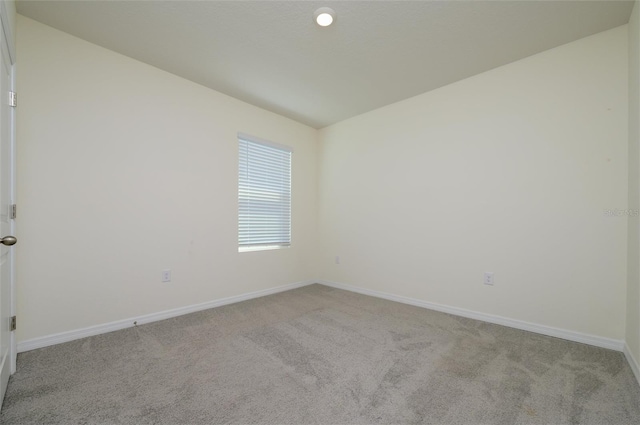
(597,341)
(633,362)
(45,341)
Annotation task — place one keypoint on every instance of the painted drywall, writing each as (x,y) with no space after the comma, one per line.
(632,336)
(9,21)
(125,170)
(520,171)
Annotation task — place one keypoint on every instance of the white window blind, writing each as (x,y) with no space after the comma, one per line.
(264,194)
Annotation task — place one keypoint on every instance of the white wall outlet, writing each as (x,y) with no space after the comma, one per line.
(337,259)
(166,275)
(488,278)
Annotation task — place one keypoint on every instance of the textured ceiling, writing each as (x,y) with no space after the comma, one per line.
(272,54)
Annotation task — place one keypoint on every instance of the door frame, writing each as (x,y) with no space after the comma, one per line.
(7,26)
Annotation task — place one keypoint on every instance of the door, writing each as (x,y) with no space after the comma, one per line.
(7,351)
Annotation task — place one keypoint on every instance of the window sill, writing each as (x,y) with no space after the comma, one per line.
(261,248)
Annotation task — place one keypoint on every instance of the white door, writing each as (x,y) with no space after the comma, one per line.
(7,351)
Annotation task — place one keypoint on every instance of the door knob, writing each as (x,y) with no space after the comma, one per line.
(8,240)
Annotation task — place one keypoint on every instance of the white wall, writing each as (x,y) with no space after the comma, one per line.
(125,170)
(509,171)
(633,270)
(9,11)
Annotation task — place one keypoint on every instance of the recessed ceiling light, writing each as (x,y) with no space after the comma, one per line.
(324,16)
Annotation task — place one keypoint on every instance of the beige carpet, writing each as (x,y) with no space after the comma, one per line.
(319,355)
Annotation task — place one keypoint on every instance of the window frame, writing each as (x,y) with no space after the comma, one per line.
(243,231)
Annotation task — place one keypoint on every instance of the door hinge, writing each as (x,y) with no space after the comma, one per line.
(12,211)
(13,99)
(12,325)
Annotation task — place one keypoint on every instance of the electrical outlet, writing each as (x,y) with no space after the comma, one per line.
(488,278)
(166,275)
(337,259)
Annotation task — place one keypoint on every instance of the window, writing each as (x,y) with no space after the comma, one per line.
(264,194)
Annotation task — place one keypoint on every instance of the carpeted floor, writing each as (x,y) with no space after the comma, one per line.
(318,355)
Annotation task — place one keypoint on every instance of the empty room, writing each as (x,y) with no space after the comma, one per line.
(309,212)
